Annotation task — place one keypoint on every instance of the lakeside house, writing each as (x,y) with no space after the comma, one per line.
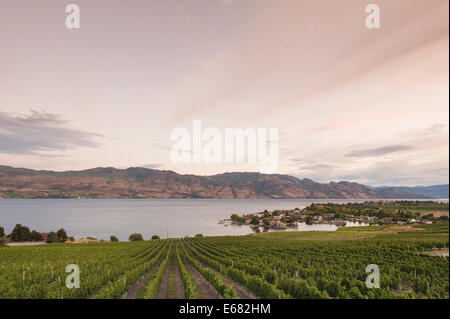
(277,224)
(246,219)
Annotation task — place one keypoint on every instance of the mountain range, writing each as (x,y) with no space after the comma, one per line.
(137,182)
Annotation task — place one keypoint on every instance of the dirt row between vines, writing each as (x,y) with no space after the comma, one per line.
(241,291)
(136,288)
(171,285)
(207,291)
(172,278)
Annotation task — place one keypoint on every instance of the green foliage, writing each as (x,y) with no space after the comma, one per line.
(155,237)
(274,265)
(254,220)
(135,268)
(236,218)
(135,237)
(224,289)
(188,282)
(281,266)
(151,290)
(62,236)
(52,237)
(2,231)
(36,236)
(113,239)
(3,241)
(20,234)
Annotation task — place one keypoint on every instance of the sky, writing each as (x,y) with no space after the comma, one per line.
(350,103)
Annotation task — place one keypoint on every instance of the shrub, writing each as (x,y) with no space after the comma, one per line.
(255,220)
(113,238)
(155,237)
(3,241)
(2,231)
(52,237)
(135,237)
(62,236)
(236,218)
(199,235)
(20,233)
(36,236)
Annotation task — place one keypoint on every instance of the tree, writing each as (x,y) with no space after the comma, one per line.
(266,221)
(36,236)
(236,218)
(255,220)
(113,238)
(20,233)
(292,219)
(2,231)
(71,238)
(135,237)
(309,220)
(62,236)
(52,237)
(155,237)
(199,235)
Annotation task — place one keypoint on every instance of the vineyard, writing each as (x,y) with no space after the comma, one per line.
(272,265)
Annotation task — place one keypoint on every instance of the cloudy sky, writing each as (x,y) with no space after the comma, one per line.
(351,103)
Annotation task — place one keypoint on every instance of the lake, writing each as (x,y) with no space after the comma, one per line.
(101,218)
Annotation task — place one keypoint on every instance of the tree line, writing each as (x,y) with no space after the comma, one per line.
(22,233)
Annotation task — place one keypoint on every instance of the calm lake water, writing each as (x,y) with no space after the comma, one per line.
(101,218)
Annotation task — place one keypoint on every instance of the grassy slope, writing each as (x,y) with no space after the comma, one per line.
(351,233)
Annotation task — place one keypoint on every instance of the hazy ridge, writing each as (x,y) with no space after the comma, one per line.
(136,182)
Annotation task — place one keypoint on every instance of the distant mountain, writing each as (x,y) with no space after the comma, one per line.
(436,191)
(139,182)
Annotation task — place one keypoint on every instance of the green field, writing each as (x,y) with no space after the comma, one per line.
(268,265)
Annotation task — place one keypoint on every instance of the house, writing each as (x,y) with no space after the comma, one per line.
(246,219)
(411,220)
(277,224)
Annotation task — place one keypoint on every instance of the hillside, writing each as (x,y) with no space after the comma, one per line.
(435,191)
(139,182)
